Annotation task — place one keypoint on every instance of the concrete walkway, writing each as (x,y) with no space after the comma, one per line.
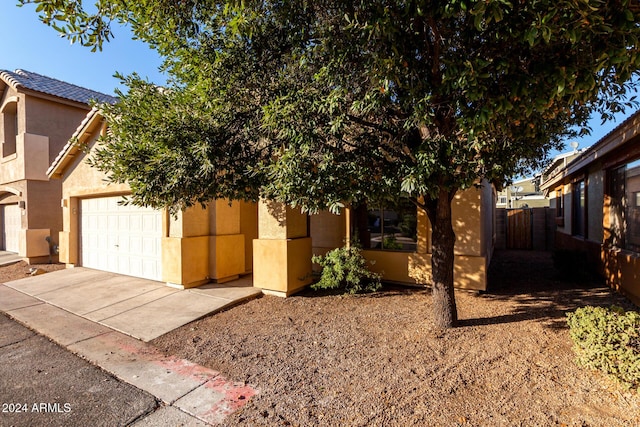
(9,257)
(144,309)
(107,319)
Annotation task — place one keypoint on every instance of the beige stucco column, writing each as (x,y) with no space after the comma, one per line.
(282,252)
(226,242)
(203,245)
(185,248)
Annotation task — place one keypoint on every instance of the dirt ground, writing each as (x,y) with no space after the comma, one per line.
(20,270)
(375,360)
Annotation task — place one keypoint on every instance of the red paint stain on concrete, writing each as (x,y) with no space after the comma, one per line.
(235,394)
(187,369)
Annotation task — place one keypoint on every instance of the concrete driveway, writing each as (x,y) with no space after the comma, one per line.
(141,308)
(80,308)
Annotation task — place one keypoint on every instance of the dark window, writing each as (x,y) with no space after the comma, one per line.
(10,129)
(624,213)
(388,226)
(579,207)
(559,203)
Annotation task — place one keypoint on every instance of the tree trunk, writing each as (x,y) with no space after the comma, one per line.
(443,239)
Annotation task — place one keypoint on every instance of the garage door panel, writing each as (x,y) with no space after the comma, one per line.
(121,239)
(148,245)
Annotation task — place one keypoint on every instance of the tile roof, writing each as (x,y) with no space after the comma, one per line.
(50,86)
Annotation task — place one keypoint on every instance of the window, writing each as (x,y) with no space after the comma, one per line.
(389,226)
(624,214)
(579,208)
(9,128)
(559,203)
(502,200)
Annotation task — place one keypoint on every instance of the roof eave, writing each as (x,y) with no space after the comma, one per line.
(71,149)
(626,131)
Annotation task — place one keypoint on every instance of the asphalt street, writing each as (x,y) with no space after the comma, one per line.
(43,384)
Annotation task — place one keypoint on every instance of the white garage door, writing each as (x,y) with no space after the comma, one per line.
(120,239)
(11,228)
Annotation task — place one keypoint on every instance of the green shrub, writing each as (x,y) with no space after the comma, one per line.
(346,268)
(391,243)
(409,226)
(608,339)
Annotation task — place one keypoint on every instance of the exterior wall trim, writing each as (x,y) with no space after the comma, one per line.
(7,189)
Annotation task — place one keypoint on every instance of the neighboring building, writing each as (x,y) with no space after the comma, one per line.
(523,193)
(596,198)
(526,192)
(38,115)
(560,162)
(272,241)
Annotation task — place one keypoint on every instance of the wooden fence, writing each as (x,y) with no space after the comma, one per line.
(530,228)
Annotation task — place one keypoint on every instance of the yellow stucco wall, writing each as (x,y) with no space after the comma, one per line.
(424,232)
(467,222)
(226,261)
(282,266)
(469,272)
(622,272)
(282,253)
(278,221)
(190,223)
(225,217)
(472,216)
(185,261)
(413,268)
(392,265)
(249,229)
(328,231)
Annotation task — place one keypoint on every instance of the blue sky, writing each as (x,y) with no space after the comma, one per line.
(28,44)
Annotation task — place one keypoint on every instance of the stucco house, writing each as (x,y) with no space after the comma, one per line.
(596,198)
(225,240)
(38,114)
(526,192)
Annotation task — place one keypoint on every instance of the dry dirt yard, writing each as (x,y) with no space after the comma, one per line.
(375,360)
(20,270)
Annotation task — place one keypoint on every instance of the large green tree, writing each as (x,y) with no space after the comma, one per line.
(327,103)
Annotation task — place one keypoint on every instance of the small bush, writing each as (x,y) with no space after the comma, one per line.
(346,268)
(608,339)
